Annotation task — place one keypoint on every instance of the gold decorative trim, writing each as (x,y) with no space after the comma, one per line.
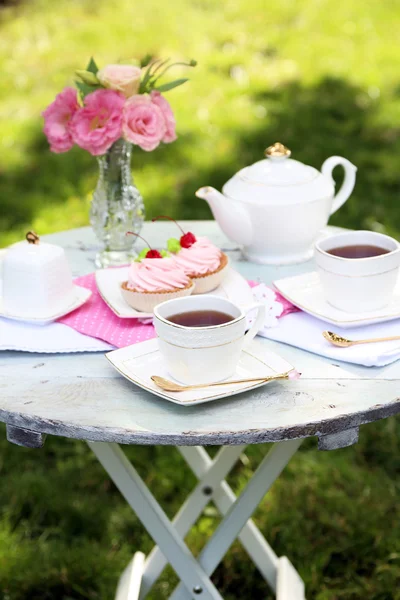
(200,347)
(156,391)
(277,150)
(32,238)
(356,276)
(328,319)
(206,327)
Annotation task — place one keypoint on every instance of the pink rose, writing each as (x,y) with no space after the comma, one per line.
(123,78)
(57,118)
(143,122)
(97,125)
(161,102)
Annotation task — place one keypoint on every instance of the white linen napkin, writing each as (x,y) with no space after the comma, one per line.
(304,331)
(51,338)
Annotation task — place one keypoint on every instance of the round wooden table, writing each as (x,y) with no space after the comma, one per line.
(82,396)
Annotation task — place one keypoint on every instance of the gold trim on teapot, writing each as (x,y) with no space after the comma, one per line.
(277,150)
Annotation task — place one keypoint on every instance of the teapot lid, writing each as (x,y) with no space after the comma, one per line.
(277,169)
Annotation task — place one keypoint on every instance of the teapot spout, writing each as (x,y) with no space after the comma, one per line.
(232,216)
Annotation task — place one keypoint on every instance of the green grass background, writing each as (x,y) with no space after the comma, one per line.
(322,76)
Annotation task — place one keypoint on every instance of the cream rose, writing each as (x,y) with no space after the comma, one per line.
(123,78)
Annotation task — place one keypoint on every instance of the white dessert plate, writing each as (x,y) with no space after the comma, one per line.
(139,362)
(305,291)
(234,287)
(81,295)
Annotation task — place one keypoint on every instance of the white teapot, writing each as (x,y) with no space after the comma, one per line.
(276,207)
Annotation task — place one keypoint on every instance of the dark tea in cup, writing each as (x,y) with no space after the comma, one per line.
(358,251)
(201,318)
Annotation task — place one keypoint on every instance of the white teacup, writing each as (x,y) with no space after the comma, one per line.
(204,354)
(357,285)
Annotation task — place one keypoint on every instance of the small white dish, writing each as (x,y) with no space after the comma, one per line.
(306,292)
(234,287)
(139,362)
(81,295)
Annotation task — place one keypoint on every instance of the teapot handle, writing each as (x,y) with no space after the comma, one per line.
(349,179)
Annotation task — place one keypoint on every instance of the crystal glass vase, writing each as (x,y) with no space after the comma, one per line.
(117,207)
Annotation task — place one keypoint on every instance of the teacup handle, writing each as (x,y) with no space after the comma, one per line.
(258,323)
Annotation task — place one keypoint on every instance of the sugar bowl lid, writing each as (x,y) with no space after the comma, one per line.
(32,251)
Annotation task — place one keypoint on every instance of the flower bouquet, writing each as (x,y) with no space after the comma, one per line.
(110,110)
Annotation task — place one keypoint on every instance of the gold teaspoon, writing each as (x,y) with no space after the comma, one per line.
(171,386)
(342,342)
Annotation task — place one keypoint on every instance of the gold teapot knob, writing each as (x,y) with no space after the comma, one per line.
(32,237)
(277,150)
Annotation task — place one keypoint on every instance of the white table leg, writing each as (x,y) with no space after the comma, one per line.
(191,509)
(138,577)
(252,539)
(131,580)
(268,471)
(154,519)
(290,586)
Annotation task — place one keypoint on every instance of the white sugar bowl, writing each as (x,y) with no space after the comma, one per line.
(37,279)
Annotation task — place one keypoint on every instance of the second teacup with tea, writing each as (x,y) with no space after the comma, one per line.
(201,337)
(358,269)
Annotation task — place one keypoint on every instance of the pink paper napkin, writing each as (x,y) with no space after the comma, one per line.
(95,319)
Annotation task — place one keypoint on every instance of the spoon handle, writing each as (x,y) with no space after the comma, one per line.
(383,339)
(268,378)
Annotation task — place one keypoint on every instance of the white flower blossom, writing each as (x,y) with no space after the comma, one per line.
(273,308)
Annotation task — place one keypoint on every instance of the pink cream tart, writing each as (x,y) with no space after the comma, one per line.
(204,263)
(154,280)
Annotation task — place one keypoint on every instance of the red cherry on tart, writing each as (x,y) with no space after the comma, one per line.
(187,239)
(153,254)
(201,260)
(153,278)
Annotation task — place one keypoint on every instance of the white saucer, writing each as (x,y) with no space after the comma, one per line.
(234,287)
(140,361)
(305,291)
(81,296)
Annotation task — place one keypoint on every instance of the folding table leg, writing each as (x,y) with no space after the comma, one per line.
(191,509)
(251,538)
(131,581)
(155,520)
(220,542)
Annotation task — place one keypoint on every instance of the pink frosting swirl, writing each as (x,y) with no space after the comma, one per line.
(201,258)
(156,275)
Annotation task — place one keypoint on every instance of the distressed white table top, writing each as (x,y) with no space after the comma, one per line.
(82,396)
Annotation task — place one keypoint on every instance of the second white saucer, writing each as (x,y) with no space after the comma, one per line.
(305,291)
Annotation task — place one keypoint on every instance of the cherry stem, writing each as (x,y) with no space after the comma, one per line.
(140,237)
(169,219)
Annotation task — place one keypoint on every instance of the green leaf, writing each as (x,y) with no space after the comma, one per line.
(164,253)
(88,77)
(145,80)
(165,87)
(85,89)
(92,67)
(142,255)
(174,245)
(146,60)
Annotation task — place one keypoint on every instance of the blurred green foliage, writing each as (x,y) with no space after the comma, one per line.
(66,533)
(320,76)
